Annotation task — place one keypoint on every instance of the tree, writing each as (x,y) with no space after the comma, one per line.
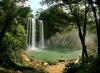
(55,19)
(13,30)
(77,15)
(97,21)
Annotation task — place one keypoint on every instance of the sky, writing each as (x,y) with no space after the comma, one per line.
(35,5)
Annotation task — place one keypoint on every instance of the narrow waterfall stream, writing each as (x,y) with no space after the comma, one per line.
(41,45)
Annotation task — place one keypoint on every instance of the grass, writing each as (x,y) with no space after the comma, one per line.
(52,55)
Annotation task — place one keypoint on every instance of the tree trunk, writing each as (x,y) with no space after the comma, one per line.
(2,33)
(84,51)
(97,25)
(99,44)
(82,37)
(99,34)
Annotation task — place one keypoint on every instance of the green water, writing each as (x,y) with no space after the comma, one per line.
(53,56)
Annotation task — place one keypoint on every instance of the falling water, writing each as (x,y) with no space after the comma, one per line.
(31,35)
(41,45)
(31,31)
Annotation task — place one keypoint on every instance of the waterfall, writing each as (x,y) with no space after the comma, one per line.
(31,35)
(41,45)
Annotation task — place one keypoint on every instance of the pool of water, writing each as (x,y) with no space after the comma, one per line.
(53,56)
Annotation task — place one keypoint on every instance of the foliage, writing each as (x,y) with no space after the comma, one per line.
(89,66)
(13,21)
(92,8)
(80,14)
(74,5)
(55,20)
